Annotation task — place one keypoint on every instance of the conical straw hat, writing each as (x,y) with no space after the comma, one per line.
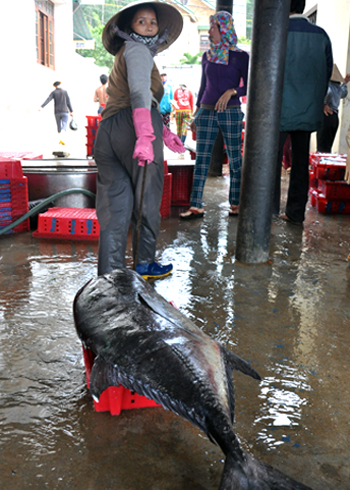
(168,18)
(336,75)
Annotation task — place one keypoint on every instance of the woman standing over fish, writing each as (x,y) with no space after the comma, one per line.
(131,136)
(224,81)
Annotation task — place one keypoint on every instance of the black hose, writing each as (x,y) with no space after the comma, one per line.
(43,204)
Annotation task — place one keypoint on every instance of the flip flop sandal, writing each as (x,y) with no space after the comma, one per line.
(234,210)
(193,214)
(291,221)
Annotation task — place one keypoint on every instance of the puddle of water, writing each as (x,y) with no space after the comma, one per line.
(289,318)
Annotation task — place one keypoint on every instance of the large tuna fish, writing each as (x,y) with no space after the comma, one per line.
(146,345)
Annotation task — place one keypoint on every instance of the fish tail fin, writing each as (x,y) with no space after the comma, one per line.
(239,364)
(233,476)
(248,473)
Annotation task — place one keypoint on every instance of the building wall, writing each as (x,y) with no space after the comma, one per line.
(334,18)
(26,84)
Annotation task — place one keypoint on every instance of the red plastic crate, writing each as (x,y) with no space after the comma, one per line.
(93,121)
(165,205)
(24,226)
(328,206)
(181,184)
(91,131)
(90,150)
(90,141)
(312,179)
(330,169)
(18,190)
(10,169)
(20,155)
(326,167)
(115,398)
(68,224)
(338,190)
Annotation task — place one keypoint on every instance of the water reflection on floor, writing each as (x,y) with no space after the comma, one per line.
(289,318)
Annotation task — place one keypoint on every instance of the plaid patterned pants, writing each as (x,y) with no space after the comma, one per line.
(182,118)
(207,126)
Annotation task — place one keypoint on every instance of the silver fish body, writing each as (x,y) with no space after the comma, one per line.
(144,344)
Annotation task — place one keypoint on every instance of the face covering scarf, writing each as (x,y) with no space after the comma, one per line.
(148,40)
(151,42)
(219,52)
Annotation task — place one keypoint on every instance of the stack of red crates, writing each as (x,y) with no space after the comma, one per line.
(91,133)
(13,195)
(329,192)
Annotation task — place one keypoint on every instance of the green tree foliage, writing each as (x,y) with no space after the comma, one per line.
(244,40)
(189,59)
(96,17)
(249,18)
(99,54)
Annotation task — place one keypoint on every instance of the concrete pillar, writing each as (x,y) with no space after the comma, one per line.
(265,86)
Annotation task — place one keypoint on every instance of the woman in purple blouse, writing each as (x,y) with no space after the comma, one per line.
(224,81)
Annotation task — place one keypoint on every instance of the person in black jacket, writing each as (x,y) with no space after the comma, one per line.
(63,107)
(308,68)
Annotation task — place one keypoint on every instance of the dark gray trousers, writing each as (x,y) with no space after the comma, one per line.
(298,190)
(119,183)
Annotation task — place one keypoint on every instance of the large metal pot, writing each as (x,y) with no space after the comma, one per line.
(47,177)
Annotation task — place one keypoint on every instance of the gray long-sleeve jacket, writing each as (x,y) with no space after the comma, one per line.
(61,99)
(134,80)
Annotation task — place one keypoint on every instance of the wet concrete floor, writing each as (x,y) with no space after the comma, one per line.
(288,317)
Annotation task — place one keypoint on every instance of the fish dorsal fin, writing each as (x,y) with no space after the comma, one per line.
(239,364)
(154,303)
(102,376)
(164,309)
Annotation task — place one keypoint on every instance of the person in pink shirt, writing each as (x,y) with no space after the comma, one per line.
(183,114)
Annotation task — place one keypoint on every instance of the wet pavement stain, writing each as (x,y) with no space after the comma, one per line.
(288,317)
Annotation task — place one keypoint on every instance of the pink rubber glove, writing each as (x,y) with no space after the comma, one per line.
(144,135)
(172,141)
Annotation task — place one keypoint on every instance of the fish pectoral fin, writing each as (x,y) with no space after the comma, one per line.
(103,375)
(239,364)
